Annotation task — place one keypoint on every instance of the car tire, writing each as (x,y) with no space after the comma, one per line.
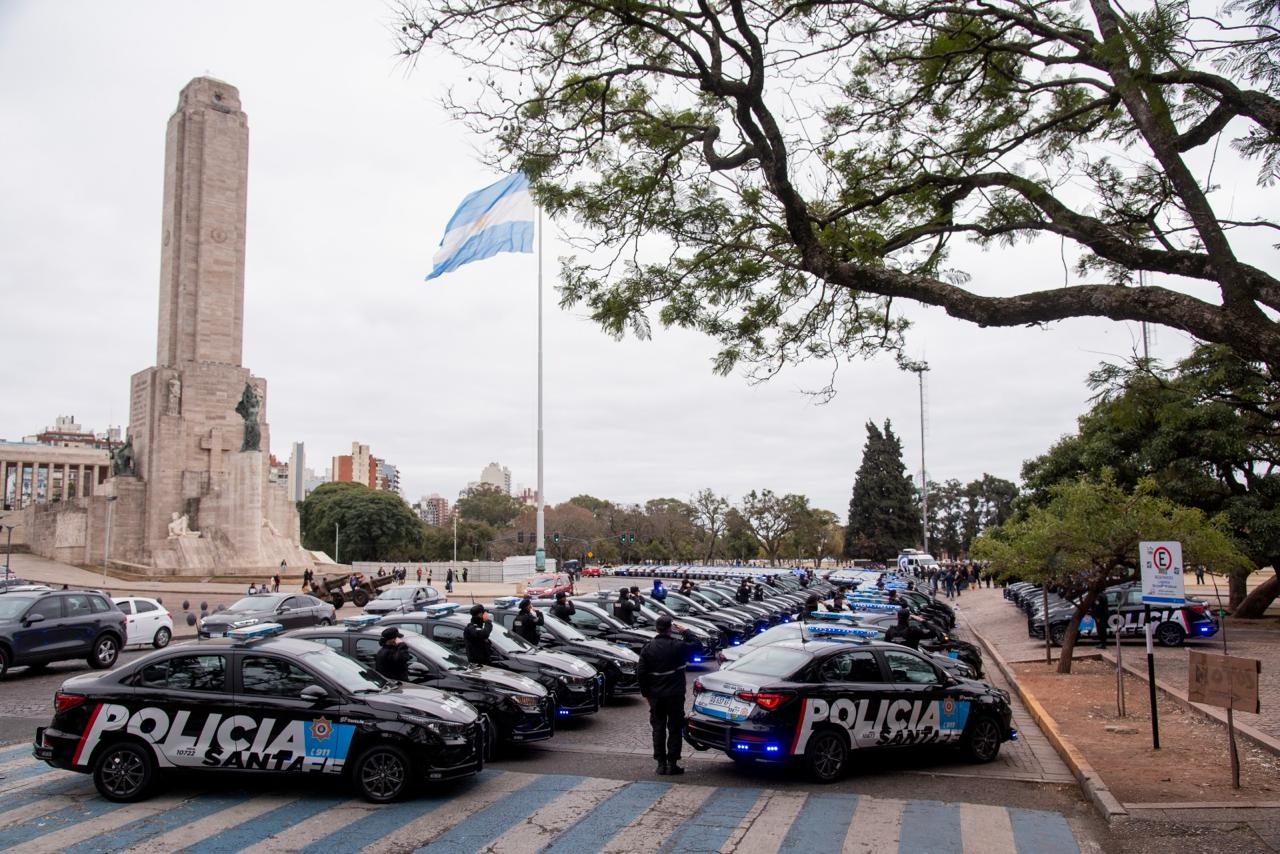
(4,662)
(124,772)
(982,741)
(325,621)
(1170,634)
(359,598)
(162,638)
(382,774)
(1058,634)
(827,755)
(105,652)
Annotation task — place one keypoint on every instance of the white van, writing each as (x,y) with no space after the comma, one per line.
(913,561)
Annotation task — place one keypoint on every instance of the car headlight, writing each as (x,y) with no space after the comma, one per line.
(570,679)
(626,667)
(442,728)
(525,701)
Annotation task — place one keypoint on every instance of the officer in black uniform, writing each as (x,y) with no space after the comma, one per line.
(837,601)
(661,676)
(811,604)
(527,621)
(392,658)
(563,608)
(904,633)
(626,609)
(743,593)
(1101,613)
(636,597)
(476,635)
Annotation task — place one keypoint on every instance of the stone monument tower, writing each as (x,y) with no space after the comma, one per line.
(195,496)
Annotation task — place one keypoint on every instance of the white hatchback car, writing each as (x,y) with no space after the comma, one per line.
(147,621)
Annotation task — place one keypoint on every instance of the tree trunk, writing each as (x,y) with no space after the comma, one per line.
(1254,606)
(1073,628)
(1236,590)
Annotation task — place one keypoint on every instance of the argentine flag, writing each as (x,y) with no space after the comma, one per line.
(498,218)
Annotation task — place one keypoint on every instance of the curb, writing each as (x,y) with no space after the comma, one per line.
(1091,783)
(1254,735)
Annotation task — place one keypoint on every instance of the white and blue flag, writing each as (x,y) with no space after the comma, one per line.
(498,218)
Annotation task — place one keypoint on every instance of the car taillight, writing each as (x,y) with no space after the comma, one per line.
(65,702)
(697,685)
(1199,609)
(767,700)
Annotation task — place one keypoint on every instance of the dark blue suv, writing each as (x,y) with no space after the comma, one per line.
(39,627)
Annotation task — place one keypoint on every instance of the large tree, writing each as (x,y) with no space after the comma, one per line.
(370,524)
(883,514)
(1206,431)
(771,517)
(488,504)
(709,517)
(1086,536)
(776,174)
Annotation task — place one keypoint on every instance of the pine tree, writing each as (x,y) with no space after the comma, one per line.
(883,516)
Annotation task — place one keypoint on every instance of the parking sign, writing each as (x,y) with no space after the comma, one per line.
(1161,562)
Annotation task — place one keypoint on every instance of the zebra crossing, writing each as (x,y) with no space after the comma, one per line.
(506,812)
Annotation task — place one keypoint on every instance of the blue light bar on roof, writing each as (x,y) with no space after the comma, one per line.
(829,615)
(843,630)
(506,601)
(360,621)
(874,606)
(261,630)
(441,609)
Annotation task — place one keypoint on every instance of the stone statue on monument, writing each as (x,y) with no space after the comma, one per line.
(180,528)
(175,396)
(248,410)
(122,459)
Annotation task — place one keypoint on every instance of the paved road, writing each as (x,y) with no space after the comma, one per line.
(508,811)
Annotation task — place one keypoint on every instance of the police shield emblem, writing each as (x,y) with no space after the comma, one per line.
(321,729)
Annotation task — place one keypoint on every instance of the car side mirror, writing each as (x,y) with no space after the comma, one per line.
(314,693)
(31,619)
(418,670)
(282,609)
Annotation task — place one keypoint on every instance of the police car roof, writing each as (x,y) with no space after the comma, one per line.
(824,645)
(287,645)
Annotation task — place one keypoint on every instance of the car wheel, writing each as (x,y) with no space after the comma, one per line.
(982,744)
(106,650)
(382,774)
(124,772)
(4,662)
(162,638)
(1170,634)
(359,598)
(827,755)
(325,621)
(1057,634)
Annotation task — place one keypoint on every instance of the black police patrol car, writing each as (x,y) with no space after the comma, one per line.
(515,709)
(596,621)
(576,686)
(252,702)
(616,662)
(815,703)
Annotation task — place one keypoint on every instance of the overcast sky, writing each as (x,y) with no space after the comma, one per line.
(353,173)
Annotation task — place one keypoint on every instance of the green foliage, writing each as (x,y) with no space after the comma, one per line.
(883,514)
(958,512)
(739,541)
(373,525)
(488,504)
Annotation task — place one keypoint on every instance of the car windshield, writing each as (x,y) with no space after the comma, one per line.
(435,653)
(507,642)
(11,607)
(347,673)
(771,661)
(545,581)
(563,630)
(398,593)
(773,635)
(257,603)
(715,596)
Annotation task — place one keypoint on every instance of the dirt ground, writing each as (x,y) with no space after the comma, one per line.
(1193,763)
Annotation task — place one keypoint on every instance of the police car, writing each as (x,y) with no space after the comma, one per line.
(253,702)
(1173,624)
(575,685)
(815,703)
(514,708)
(615,662)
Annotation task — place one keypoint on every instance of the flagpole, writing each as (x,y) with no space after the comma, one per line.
(540,559)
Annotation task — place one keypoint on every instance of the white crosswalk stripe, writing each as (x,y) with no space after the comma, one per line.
(501,812)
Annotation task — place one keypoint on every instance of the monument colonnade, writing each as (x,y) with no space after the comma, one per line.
(33,473)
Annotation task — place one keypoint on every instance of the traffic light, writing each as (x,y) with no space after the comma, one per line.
(631,537)
(555,538)
(519,536)
(533,536)
(622,539)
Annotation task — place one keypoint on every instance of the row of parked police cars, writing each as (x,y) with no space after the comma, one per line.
(796,683)
(1172,625)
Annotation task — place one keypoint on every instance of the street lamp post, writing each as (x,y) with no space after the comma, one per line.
(8,549)
(919,369)
(335,543)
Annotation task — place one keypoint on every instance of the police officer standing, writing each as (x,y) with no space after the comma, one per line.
(661,676)
(476,635)
(904,633)
(527,621)
(563,608)
(1101,613)
(392,658)
(626,609)
(743,593)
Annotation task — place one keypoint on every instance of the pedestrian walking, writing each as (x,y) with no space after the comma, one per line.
(464,575)
(419,575)
(448,580)
(1199,574)
(662,683)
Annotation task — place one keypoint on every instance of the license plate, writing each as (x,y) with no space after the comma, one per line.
(722,706)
